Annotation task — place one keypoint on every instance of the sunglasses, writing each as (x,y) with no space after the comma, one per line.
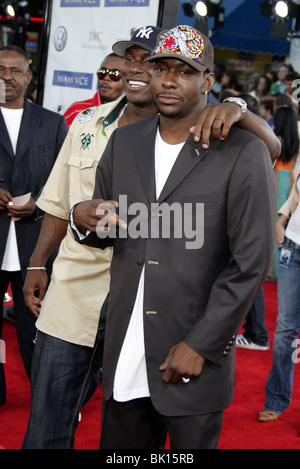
(114,74)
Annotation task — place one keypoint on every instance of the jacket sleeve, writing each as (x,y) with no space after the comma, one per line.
(61,131)
(251,208)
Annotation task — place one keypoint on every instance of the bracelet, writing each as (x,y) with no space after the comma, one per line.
(36,268)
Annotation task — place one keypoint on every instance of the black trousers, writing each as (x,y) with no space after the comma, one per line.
(25,322)
(137,425)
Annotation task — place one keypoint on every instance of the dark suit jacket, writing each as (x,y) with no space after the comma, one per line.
(41,136)
(199,295)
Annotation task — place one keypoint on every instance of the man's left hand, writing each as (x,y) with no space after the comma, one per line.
(182,362)
(22,211)
(218,120)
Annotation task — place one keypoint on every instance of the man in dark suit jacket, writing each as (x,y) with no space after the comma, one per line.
(176,303)
(30,140)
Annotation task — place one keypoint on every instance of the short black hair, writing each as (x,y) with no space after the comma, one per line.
(283,99)
(18,50)
(291,76)
(252,102)
(111,55)
(268,103)
(285,125)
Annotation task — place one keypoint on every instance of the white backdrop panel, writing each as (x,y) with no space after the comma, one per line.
(82,33)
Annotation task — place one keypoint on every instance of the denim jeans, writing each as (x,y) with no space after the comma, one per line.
(64,377)
(255,325)
(280,381)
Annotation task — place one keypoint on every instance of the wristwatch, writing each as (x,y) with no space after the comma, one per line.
(240,102)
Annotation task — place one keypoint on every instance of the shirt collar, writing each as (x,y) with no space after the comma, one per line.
(112,116)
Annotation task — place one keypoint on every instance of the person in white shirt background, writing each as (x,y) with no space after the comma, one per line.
(30,139)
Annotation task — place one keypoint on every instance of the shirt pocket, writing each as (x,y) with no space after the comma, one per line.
(82,171)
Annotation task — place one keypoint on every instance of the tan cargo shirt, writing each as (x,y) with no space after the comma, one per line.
(80,277)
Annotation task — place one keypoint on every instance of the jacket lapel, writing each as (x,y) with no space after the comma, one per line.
(5,138)
(28,129)
(190,156)
(145,159)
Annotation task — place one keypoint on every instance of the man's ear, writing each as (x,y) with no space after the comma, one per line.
(209,80)
(28,77)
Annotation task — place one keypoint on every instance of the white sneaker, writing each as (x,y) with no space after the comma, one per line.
(242,342)
(7,298)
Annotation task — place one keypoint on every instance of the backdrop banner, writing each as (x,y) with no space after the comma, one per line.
(82,33)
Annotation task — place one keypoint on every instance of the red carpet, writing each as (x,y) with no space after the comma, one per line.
(241,430)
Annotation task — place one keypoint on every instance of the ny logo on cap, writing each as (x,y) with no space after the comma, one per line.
(144,32)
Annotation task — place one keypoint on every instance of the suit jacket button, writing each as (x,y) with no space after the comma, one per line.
(140,261)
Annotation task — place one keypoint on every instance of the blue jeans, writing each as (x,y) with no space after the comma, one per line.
(280,381)
(255,326)
(64,377)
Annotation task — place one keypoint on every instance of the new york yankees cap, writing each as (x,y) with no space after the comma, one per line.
(144,37)
(187,44)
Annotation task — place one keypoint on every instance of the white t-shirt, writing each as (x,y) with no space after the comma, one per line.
(11,262)
(131,374)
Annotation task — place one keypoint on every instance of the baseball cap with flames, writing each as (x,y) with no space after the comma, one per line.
(187,44)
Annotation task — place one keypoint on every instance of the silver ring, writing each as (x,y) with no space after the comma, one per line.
(185,380)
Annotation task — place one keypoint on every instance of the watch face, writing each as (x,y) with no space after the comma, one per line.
(240,102)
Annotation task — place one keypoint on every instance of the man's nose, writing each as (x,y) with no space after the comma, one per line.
(169,80)
(137,66)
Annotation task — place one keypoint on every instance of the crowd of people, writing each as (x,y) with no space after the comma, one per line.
(276,97)
(169,315)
